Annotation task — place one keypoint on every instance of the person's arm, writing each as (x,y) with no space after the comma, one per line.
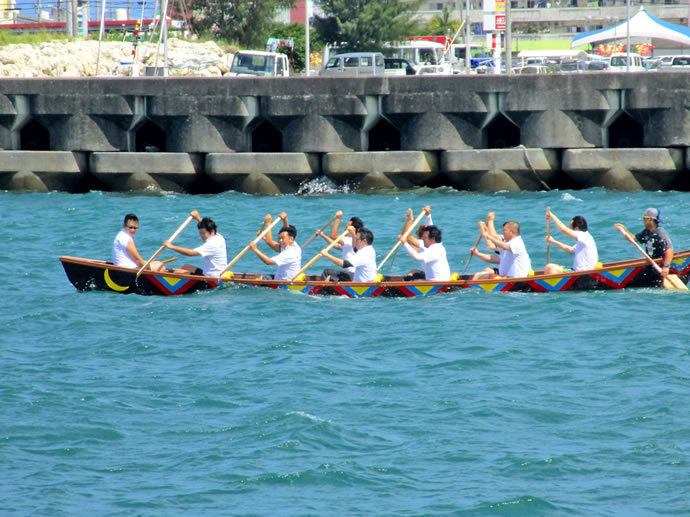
(264,258)
(485,233)
(563,228)
(178,249)
(268,238)
(564,247)
(409,217)
(337,261)
(486,257)
(134,254)
(668,257)
(498,242)
(411,251)
(491,216)
(336,225)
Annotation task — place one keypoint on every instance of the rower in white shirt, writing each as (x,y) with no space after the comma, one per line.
(364,261)
(346,245)
(289,258)
(430,252)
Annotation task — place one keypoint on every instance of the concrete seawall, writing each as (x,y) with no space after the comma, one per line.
(269,136)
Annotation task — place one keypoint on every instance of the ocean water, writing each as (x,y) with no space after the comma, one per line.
(248,401)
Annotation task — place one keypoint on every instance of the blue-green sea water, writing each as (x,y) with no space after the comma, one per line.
(246,401)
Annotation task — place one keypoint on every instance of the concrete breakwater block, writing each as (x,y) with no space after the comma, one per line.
(489,170)
(42,171)
(262,173)
(122,171)
(382,169)
(624,169)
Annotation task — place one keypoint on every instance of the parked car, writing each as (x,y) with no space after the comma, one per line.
(598,65)
(399,66)
(260,64)
(354,64)
(680,62)
(619,62)
(651,63)
(573,65)
(531,69)
(665,61)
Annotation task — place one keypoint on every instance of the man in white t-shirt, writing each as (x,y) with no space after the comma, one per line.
(432,255)
(512,259)
(346,245)
(585,249)
(289,260)
(124,251)
(213,249)
(363,261)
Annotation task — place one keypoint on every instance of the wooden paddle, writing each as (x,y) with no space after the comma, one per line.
(390,268)
(404,236)
(168,260)
(548,234)
(470,257)
(172,238)
(317,232)
(319,255)
(672,281)
(248,247)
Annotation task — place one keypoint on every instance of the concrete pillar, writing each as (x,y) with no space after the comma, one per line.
(262,173)
(490,170)
(42,171)
(624,169)
(381,170)
(174,172)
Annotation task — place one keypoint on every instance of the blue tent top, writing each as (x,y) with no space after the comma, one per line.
(642,25)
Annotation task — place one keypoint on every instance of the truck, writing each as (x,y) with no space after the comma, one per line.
(259,64)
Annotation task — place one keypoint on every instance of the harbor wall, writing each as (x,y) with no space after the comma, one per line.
(271,136)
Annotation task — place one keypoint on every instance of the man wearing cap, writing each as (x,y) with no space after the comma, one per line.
(656,241)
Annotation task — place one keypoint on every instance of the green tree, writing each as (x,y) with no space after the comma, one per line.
(297,33)
(365,25)
(245,22)
(439,25)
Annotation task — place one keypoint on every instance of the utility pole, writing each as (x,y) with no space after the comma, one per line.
(75,19)
(508,42)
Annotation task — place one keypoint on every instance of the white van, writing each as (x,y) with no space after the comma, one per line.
(421,52)
(618,62)
(259,64)
(354,64)
(680,62)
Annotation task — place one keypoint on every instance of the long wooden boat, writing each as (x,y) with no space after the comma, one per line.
(88,275)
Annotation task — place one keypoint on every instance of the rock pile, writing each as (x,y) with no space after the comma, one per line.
(64,58)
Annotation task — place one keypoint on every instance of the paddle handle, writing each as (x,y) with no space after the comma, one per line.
(628,236)
(548,234)
(172,238)
(248,247)
(317,257)
(476,243)
(168,260)
(317,232)
(404,236)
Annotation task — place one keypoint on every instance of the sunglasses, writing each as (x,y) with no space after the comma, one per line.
(133,227)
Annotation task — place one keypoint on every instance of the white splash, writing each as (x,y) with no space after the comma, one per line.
(569,197)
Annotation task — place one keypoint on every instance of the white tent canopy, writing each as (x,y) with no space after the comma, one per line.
(642,25)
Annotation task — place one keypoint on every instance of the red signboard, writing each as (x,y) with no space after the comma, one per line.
(500,22)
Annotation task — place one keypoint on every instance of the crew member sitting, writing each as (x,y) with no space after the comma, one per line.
(585,249)
(363,262)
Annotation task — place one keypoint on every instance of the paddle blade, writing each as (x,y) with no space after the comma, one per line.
(674,282)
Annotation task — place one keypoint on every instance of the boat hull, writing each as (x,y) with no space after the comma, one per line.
(88,275)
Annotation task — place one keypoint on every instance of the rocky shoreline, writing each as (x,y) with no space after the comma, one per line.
(64,58)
